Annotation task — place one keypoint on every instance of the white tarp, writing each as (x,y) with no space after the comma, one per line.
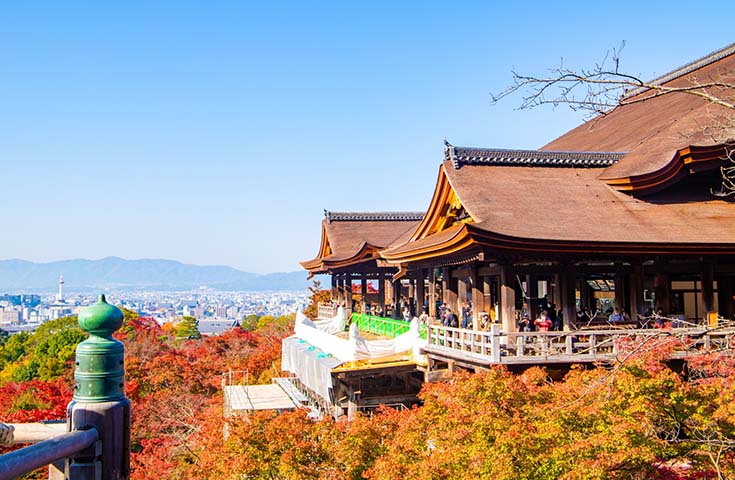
(357,347)
(312,366)
(311,353)
(332,325)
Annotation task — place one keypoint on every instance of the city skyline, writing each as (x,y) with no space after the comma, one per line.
(217,135)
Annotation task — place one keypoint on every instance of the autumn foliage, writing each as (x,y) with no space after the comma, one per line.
(643,418)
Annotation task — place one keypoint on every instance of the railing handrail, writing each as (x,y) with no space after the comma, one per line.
(575,343)
(25,460)
(326,311)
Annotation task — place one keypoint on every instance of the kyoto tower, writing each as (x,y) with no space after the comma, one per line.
(60,296)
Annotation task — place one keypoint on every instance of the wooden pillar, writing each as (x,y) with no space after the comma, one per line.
(662,289)
(461,296)
(507,299)
(340,288)
(381,292)
(487,294)
(420,292)
(584,293)
(397,299)
(478,299)
(636,292)
(450,291)
(432,293)
(567,292)
(333,293)
(363,292)
(708,296)
(348,292)
(724,296)
(556,297)
(619,291)
(532,300)
(411,296)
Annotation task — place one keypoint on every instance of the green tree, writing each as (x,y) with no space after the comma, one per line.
(188,328)
(249,323)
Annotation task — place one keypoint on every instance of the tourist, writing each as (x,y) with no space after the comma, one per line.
(552,315)
(484,321)
(466,316)
(524,323)
(543,322)
(451,319)
(559,324)
(616,316)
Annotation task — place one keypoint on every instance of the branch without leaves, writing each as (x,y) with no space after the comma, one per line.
(597,90)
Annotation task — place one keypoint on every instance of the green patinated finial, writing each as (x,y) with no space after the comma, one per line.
(101,319)
(100,364)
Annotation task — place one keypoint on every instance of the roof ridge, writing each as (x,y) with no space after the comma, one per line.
(685,69)
(372,216)
(533,158)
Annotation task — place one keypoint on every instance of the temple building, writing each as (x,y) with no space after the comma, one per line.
(626,220)
(350,242)
(628,207)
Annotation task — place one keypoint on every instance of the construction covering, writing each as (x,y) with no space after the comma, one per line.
(311,353)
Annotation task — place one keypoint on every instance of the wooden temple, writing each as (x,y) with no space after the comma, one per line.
(349,252)
(630,211)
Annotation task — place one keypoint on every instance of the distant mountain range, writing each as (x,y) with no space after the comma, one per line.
(147,274)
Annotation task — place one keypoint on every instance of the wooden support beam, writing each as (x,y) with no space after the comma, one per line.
(449,287)
(432,293)
(532,293)
(507,299)
(363,293)
(478,299)
(636,292)
(461,296)
(381,292)
(411,294)
(348,292)
(708,297)
(397,299)
(568,307)
(662,289)
(619,291)
(420,298)
(724,296)
(555,290)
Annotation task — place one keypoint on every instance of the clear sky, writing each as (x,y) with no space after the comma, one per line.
(217,132)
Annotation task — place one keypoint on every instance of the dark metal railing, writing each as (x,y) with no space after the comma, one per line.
(25,460)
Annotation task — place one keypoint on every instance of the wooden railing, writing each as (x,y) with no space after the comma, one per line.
(326,311)
(549,347)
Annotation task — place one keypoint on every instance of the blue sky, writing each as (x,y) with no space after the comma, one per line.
(217,132)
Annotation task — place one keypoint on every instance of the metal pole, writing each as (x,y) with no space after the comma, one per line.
(25,460)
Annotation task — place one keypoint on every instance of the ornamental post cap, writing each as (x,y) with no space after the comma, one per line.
(101,319)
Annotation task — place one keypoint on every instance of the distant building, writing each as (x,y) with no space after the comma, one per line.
(10,316)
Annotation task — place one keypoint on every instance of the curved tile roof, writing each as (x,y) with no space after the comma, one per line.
(460,156)
(652,131)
